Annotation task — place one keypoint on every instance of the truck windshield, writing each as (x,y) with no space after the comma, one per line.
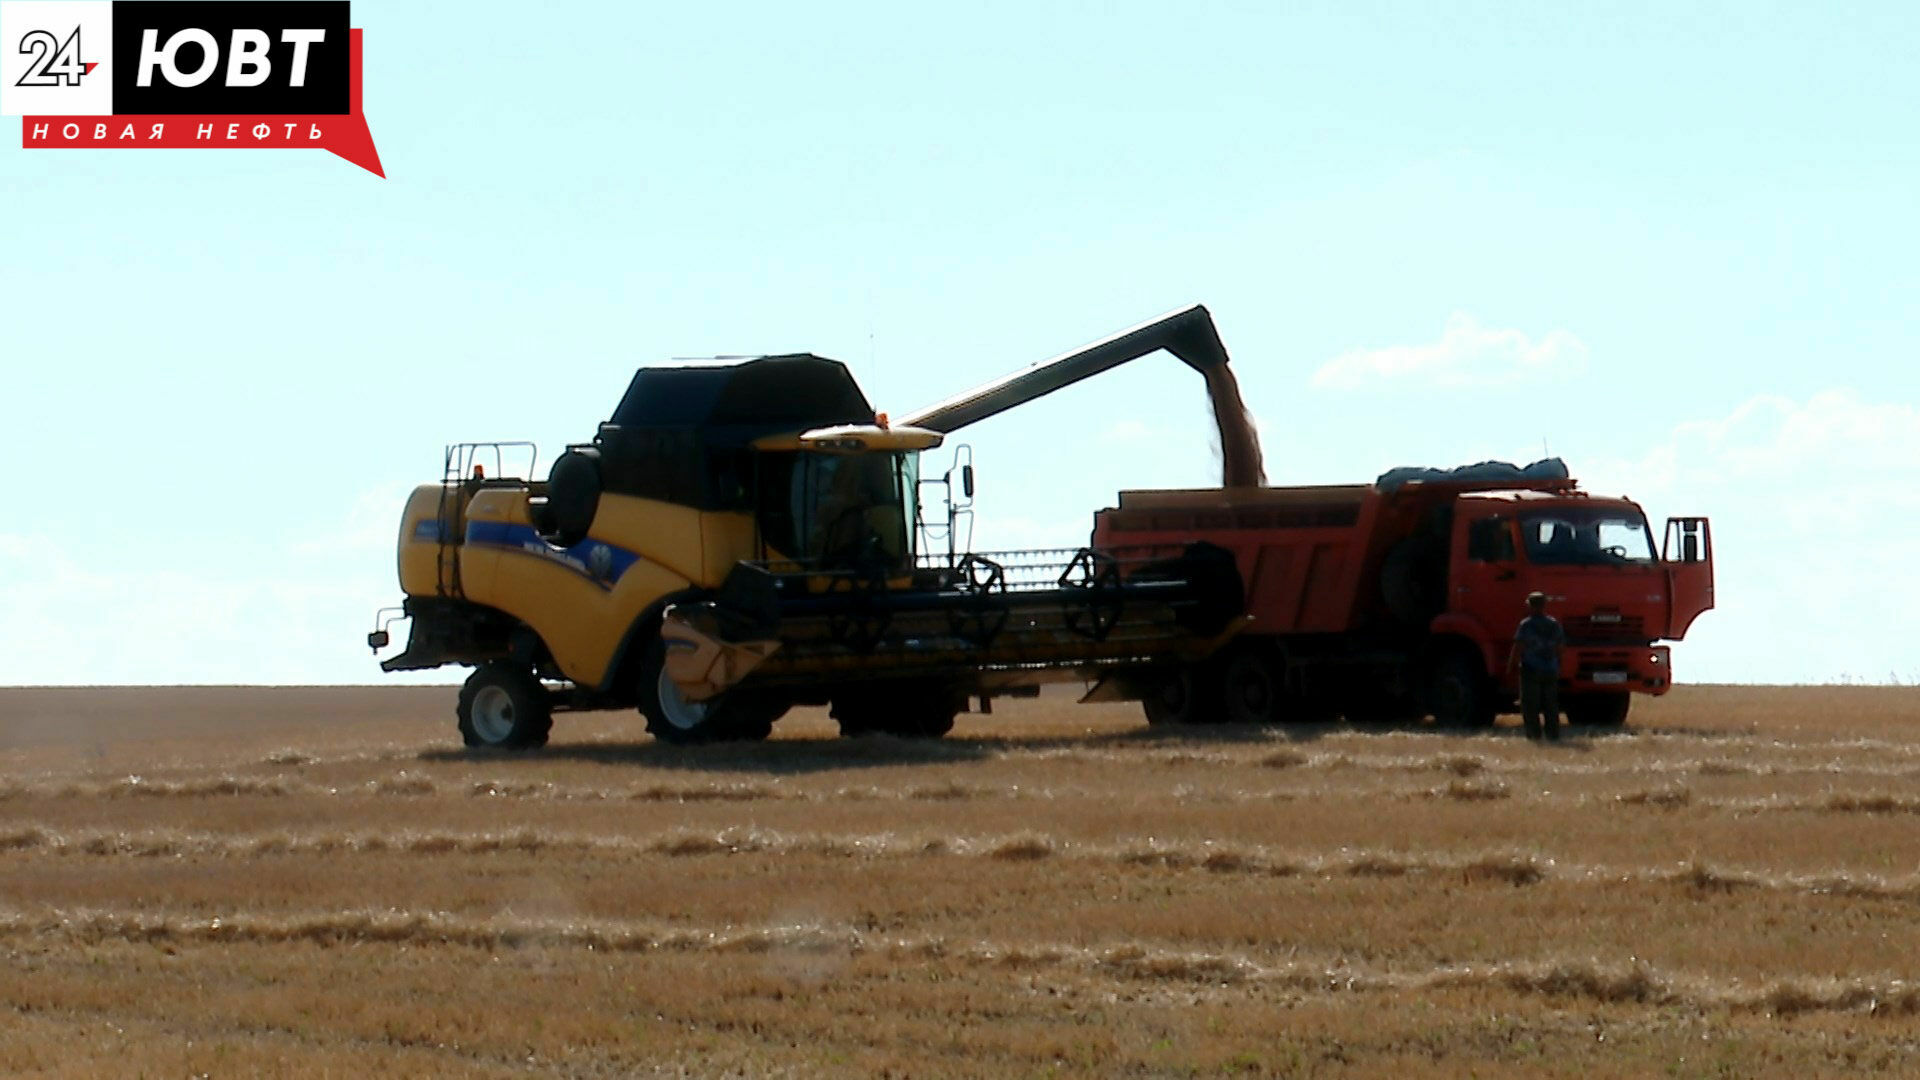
(1586,536)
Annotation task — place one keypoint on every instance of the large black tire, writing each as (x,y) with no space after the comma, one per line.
(1190,694)
(734,716)
(1458,693)
(573,495)
(503,707)
(1255,689)
(906,710)
(1597,709)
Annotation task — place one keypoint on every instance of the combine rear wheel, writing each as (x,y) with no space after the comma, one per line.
(504,708)
(1597,710)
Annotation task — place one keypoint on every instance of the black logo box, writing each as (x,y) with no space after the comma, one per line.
(325,89)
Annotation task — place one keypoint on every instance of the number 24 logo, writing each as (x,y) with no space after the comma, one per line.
(54,64)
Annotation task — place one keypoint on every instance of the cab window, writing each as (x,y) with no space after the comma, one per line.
(1490,540)
(1578,536)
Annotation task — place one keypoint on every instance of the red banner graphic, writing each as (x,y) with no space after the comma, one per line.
(345,136)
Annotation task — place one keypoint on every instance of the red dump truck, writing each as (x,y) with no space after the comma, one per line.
(1398,599)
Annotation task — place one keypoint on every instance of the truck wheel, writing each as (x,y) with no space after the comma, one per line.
(671,718)
(1255,688)
(1458,694)
(1597,710)
(1191,695)
(504,708)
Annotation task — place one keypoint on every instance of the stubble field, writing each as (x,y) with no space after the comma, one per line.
(312,882)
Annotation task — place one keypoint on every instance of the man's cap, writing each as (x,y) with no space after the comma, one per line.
(1536,598)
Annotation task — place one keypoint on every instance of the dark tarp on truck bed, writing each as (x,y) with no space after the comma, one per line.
(1483,472)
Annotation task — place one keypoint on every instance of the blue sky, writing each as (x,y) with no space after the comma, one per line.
(1676,248)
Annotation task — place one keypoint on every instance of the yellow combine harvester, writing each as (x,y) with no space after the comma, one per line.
(740,539)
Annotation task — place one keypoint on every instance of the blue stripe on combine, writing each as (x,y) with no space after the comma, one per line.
(597,561)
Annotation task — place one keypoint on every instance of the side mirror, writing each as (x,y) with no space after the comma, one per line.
(966,480)
(377,640)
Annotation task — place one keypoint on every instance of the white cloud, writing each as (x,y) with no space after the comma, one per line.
(1813,505)
(1467,355)
(1834,446)
(71,617)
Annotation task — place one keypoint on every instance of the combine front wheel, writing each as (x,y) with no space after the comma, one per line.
(504,708)
(672,718)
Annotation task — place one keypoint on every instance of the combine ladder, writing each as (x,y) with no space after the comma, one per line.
(462,473)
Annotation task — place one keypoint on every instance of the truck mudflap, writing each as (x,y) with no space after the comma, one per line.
(1641,669)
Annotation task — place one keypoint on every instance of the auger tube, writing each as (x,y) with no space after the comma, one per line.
(1188,334)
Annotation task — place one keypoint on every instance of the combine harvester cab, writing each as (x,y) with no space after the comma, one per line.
(1392,601)
(740,539)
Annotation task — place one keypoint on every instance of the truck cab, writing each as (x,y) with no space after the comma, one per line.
(1614,592)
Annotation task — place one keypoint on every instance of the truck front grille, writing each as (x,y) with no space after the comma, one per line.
(1605,627)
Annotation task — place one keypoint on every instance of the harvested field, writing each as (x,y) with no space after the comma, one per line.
(317,881)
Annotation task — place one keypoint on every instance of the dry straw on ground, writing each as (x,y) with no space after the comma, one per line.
(313,882)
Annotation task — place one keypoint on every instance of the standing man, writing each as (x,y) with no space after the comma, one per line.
(1536,654)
